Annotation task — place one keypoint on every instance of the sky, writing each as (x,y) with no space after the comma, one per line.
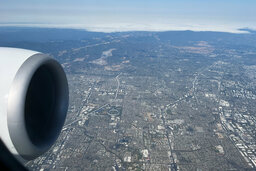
(131,15)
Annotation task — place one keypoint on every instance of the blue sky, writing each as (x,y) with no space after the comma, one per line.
(120,15)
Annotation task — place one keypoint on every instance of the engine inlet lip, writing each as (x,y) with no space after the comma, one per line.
(16,105)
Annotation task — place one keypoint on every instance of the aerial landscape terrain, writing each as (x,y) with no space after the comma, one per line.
(175,100)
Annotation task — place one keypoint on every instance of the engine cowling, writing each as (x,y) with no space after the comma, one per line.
(33,101)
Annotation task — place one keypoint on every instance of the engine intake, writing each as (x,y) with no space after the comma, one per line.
(36,107)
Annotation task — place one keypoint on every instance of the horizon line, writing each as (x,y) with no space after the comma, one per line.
(107,29)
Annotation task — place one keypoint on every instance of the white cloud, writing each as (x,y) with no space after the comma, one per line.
(121,27)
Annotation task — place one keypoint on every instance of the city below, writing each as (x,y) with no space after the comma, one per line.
(177,100)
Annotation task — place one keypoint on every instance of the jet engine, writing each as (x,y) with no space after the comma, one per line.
(33,101)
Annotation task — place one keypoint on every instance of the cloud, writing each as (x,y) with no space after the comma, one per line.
(122,27)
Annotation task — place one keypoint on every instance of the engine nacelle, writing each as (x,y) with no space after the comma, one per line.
(33,101)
